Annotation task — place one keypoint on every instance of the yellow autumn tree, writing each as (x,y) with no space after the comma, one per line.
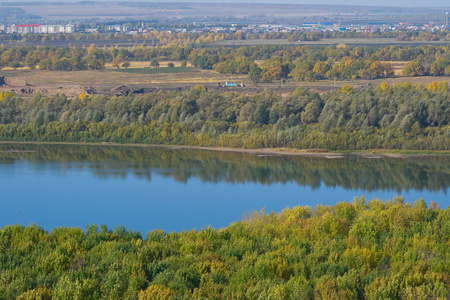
(156,292)
(347,89)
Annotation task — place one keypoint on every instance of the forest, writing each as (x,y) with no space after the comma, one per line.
(390,117)
(360,250)
(262,63)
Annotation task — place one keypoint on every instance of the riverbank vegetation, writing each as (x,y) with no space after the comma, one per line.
(390,117)
(361,250)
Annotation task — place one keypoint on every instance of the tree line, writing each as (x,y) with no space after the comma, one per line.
(173,38)
(302,63)
(359,250)
(395,117)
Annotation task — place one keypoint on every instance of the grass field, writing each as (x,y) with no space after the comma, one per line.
(168,76)
(180,78)
(326,42)
(165,70)
(146,64)
(398,67)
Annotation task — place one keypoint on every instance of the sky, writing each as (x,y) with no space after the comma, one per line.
(401,3)
(398,3)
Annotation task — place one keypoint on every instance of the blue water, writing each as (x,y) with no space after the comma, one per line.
(52,193)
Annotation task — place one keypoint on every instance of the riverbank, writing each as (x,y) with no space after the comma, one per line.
(371,153)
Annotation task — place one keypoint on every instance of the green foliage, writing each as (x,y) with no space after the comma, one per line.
(303,63)
(154,63)
(255,74)
(391,117)
(238,65)
(360,250)
(413,68)
(39,293)
(4,95)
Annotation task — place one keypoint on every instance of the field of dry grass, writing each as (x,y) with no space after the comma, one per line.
(146,64)
(104,81)
(111,77)
(398,67)
(327,42)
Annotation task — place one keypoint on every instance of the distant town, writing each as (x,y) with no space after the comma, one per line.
(203,27)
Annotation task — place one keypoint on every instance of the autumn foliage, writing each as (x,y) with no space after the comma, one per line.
(360,250)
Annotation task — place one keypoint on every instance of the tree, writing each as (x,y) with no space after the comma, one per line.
(156,292)
(261,115)
(274,69)
(311,113)
(31,62)
(347,89)
(14,64)
(41,292)
(154,63)
(205,61)
(170,65)
(413,68)
(62,65)
(321,68)
(126,64)
(376,70)
(388,70)
(255,74)
(116,63)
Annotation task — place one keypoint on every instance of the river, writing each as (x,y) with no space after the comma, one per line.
(145,188)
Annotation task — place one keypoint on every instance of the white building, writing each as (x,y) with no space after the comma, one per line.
(39,28)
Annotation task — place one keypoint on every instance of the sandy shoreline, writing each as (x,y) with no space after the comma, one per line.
(263,152)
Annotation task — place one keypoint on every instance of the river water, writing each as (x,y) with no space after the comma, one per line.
(145,188)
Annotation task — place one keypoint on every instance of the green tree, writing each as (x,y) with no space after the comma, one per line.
(255,74)
(154,63)
(15,64)
(413,68)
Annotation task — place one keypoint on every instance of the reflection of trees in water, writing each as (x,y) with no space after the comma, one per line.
(350,172)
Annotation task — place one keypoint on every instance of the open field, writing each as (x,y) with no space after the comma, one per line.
(371,42)
(112,76)
(398,67)
(143,79)
(327,42)
(146,64)
(165,70)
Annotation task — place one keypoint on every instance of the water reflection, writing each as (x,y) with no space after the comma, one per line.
(350,172)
